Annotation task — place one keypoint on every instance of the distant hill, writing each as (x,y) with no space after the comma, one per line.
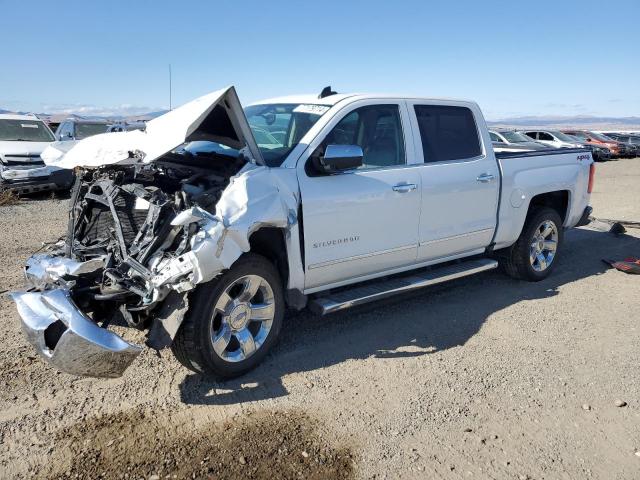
(55,117)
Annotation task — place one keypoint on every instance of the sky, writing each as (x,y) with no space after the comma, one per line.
(514,58)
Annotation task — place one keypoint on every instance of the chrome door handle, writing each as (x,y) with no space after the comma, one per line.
(404,187)
(485,178)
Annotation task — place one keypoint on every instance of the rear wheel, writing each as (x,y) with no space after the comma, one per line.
(234,320)
(534,255)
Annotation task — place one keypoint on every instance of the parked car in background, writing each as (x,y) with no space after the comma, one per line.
(126,126)
(618,149)
(79,129)
(552,138)
(630,140)
(600,153)
(53,126)
(511,137)
(501,147)
(22,140)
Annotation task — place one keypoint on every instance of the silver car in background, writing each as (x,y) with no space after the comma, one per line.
(22,140)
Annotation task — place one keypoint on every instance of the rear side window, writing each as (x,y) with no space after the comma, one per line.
(447,133)
(545,136)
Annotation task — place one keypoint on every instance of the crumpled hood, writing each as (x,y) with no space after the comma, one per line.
(217,117)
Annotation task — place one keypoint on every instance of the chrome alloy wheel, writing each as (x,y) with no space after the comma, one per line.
(543,246)
(242,318)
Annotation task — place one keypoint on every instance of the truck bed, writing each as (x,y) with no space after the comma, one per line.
(527,174)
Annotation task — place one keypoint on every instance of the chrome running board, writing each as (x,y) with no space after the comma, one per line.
(371,292)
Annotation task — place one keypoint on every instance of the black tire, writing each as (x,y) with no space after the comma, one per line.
(193,345)
(515,260)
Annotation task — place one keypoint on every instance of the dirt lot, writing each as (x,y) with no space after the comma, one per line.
(482,378)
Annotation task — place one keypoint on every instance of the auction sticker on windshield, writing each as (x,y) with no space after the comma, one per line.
(309,108)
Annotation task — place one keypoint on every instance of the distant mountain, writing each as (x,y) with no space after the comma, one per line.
(540,121)
(56,117)
(560,121)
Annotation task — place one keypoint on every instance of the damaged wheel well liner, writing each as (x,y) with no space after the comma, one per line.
(270,243)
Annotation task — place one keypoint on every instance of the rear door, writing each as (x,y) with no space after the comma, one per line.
(364,221)
(460,180)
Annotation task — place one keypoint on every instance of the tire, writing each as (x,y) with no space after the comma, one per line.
(208,326)
(518,261)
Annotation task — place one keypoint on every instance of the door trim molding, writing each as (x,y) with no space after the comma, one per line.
(462,235)
(361,256)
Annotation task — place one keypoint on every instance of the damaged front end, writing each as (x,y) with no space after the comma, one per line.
(144,230)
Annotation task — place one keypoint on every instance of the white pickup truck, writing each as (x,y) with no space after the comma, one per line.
(207,226)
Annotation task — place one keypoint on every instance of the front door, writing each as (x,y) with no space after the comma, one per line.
(363,221)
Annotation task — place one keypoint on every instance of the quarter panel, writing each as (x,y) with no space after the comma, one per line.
(526,177)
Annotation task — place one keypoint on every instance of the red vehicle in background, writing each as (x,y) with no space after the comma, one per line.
(618,149)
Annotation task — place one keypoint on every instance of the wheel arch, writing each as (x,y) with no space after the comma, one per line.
(557,200)
(270,242)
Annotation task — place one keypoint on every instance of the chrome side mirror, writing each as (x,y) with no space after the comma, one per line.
(341,157)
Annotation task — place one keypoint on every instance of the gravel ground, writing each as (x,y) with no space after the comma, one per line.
(485,377)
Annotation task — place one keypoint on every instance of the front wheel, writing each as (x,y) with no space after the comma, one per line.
(534,255)
(233,321)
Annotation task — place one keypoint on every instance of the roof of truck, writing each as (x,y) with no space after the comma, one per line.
(307,98)
(331,100)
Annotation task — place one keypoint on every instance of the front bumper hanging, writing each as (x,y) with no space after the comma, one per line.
(68,339)
(60,332)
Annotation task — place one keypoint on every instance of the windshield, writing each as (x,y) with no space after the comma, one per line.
(24,131)
(561,136)
(84,130)
(515,137)
(601,137)
(575,138)
(279,127)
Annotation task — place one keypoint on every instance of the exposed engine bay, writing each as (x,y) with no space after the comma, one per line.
(135,221)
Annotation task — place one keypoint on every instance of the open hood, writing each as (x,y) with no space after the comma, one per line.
(217,117)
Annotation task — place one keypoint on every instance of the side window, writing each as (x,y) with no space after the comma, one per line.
(545,136)
(65,128)
(494,137)
(447,133)
(533,135)
(377,129)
